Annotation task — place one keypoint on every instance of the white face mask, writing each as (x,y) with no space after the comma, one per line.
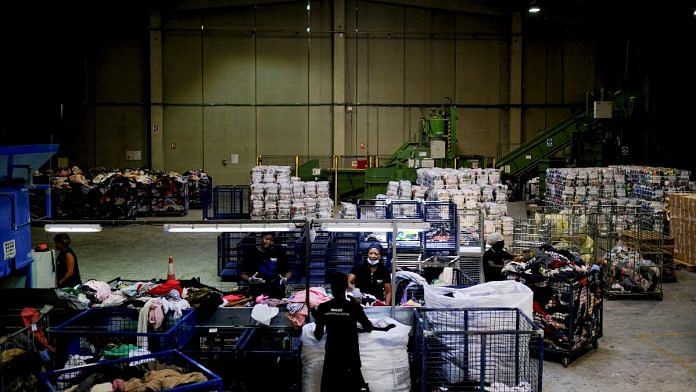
(372,262)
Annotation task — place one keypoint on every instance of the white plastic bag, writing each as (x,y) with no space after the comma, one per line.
(503,294)
(383,355)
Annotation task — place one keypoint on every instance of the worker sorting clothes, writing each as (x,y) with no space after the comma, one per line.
(265,268)
(371,277)
(495,258)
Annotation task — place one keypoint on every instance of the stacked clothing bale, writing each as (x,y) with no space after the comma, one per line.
(474,191)
(277,195)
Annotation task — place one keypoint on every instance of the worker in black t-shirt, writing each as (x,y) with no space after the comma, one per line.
(371,276)
(265,268)
(342,358)
(495,258)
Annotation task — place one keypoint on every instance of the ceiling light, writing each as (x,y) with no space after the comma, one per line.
(534,9)
(228,227)
(72,228)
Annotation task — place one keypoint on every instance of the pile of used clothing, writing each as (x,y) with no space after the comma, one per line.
(25,352)
(109,196)
(565,288)
(628,271)
(156,306)
(115,194)
(199,182)
(147,375)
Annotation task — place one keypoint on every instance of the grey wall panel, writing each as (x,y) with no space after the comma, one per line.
(228,69)
(360,119)
(554,73)
(281,70)
(386,71)
(282,130)
(229,130)
(554,116)
(579,62)
(183,126)
(429,70)
(291,16)
(478,131)
(372,127)
(120,129)
(320,131)
(240,20)
(418,68)
(478,71)
(321,15)
(533,123)
(443,65)
(120,71)
(418,20)
(360,64)
(378,17)
(321,70)
(413,117)
(534,72)
(471,23)
(181,68)
(390,130)
(182,21)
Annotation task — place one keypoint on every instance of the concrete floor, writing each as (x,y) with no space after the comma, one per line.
(647,345)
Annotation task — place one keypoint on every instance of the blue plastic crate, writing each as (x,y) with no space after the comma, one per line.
(58,380)
(99,327)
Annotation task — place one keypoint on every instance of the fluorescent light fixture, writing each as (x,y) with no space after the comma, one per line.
(385,226)
(228,227)
(73,228)
(534,9)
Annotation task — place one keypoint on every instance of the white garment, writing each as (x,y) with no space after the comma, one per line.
(264,313)
(177,306)
(143,318)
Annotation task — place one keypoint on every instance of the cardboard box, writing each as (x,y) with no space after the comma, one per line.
(682,208)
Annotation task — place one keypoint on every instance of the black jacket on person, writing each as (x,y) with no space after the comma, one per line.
(269,265)
(342,359)
(371,282)
(493,263)
(62,269)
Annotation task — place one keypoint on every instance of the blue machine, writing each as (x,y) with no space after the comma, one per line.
(17,164)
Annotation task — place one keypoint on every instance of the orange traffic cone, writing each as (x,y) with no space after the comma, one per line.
(170,269)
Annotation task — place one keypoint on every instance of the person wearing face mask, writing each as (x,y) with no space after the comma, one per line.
(342,358)
(265,268)
(495,258)
(371,276)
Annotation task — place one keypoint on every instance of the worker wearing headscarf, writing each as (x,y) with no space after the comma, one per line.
(495,257)
(372,276)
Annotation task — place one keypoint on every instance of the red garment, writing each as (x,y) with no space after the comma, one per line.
(29,317)
(233,297)
(164,288)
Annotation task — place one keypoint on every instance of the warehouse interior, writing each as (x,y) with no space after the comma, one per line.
(180,133)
